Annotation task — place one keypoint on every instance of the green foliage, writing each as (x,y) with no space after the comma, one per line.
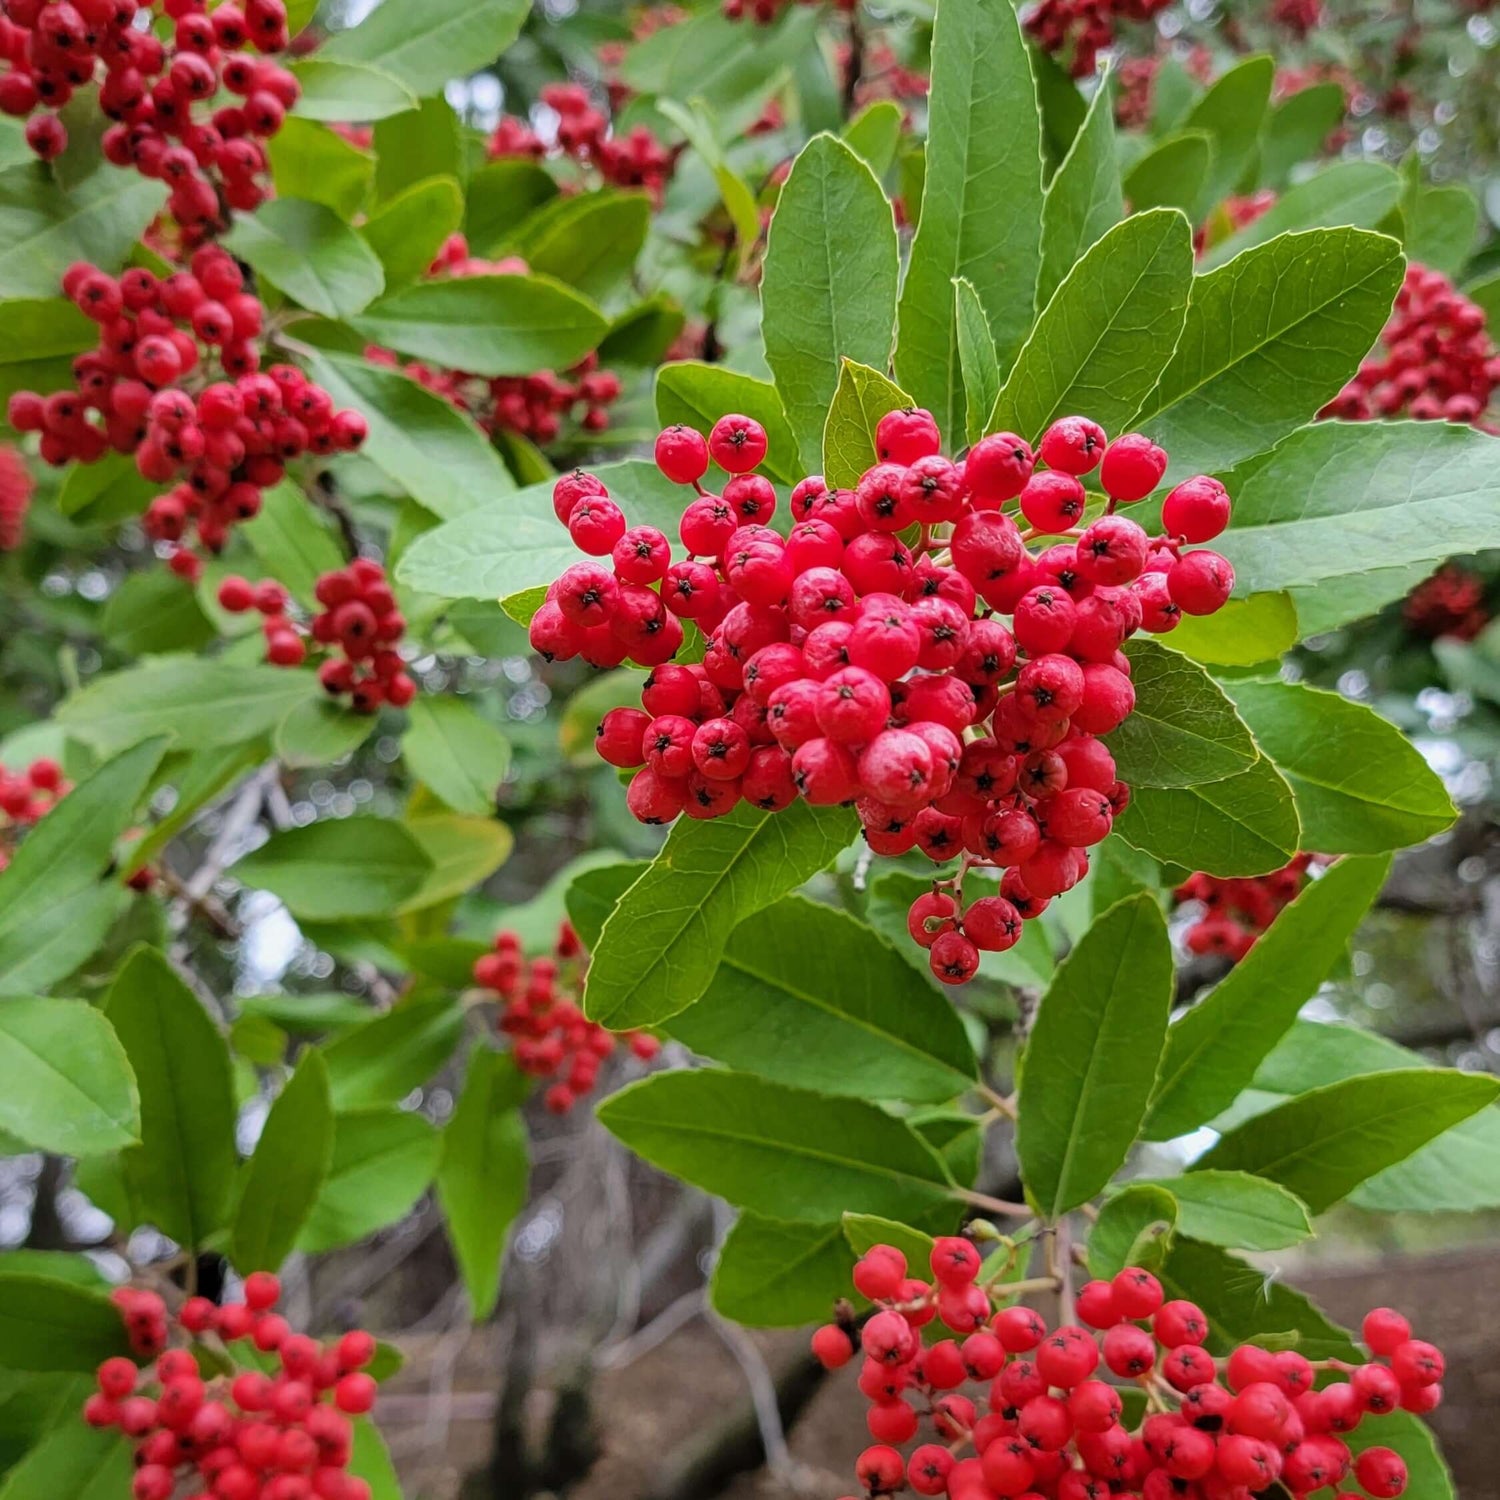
(1230,113)
(48,1325)
(349,92)
(773,1273)
(1084,200)
(1134,1228)
(75,1461)
(460,756)
(976,359)
(690,394)
(861,398)
(307,251)
(407,231)
(382,1162)
(424,43)
(383,1060)
(1238,1210)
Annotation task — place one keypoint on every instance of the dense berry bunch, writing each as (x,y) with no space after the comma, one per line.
(146,391)
(1297,16)
(1083,28)
(359,621)
(1435,359)
(15,497)
(763,12)
(161,71)
(26,796)
(1047,1421)
(636,159)
(539,1011)
(1451,603)
(1235,912)
(843,665)
(251,1436)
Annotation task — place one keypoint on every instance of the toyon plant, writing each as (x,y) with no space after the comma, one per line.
(745,593)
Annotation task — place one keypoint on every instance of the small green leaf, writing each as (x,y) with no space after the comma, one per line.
(292,540)
(458,755)
(863,396)
(311,160)
(976,359)
(318,733)
(1244,633)
(776,1273)
(348,92)
(425,142)
(500,196)
(865,1231)
(1172,173)
(591,242)
(382,1061)
(1296,130)
(874,134)
(286,1174)
(407,231)
(1428,1476)
(696,395)
(1134,1228)
(1230,113)
(370,1459)
(1237,1210)
(464,852)
(311,254)
(47,1324)
(383,1161)
(424,43)
(1092,1056)
(1442,226)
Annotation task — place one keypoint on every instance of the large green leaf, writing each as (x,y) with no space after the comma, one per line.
(311,254)
(488,325)
(1084,199)
(320,732)
(73,1460)
(662,943)
(481,1180)
(1103,340)
(203,704)
(500,195)
(1230,113)
(425,43)
(339,867)
(68,1085)
(1360,784)
(458,755)
(47,1324)
(807,995)
(1442,222)
(381,1062)
(1323,1144)
(286,1174)
(382,1162)
(863,396)
(874,135)
(829,288)
(348,92)
(591,242)
(311,160)
(1244,633)
(1237,1210)
(419,441)
(1214,1049)
(981,202)
(182,1172)
(778,1273)
(1184,730)
(784,1152)
(696,395)
(408,230)
(1092,1056)
(1269,339)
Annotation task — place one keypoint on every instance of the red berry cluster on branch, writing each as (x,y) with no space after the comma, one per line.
(1449,604)
(160,91)
(145,391)
(16,490)
(763,12)
(250,1436)
(540,1012)
(26,796)
(843,665)
(1046,1422)
(1435,359)
(1083,28)
(1237,911)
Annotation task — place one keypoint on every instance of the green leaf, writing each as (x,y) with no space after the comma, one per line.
(865,1231)
(1360,193)
(874,134)
(292,541)
(383,1161)
(151,612)
(976,359)
(49,885)
(1441,227)
(431,451)
(1214,1049)
(183,1169)
(1092,1056)
(311,254)
(696,395)
(643,335)
(1244,633)
(1361,786)
(863,396)
(307,1015)
(1428,1477)
(286,1174)
(47,1324)
(68,1086)
(1237,1210)
(500,195)
(310,160)
(381,1062)
(423,143)
(776,1273)
(1171,174)
(457,754)
(1269,339)
(203,704)
(662,943)
(808,996)
(1084,200)
(338,867)
(829,288)
(44,228)
(424,43)
(348,92)
(1323,1144)
(481,1180)
(1296,130)
(370,1459)
(488,325)
(983,150)
(1134,1228)
(735,193)
(408,230)
(779,1151)
(464,852)
(1103,340)
(105,491)
(1346,509)
(591,242)
(1230,113)
(1184,730)
(318,732)
(73,1460)
(1243,825)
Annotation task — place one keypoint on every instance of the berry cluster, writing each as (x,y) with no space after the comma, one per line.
(251,1436)
(26,796)
(144,391)
(359,619)
(636,159)
(1235,912)
(1048,1424)
(1084,28)
(1435,359)
(163,68)
(1300,17)
(539,1011)
(16,490)
(845,666)
(535,406)
(763,12)
(1451,603)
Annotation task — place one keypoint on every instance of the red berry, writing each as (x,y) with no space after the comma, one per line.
(737,443)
